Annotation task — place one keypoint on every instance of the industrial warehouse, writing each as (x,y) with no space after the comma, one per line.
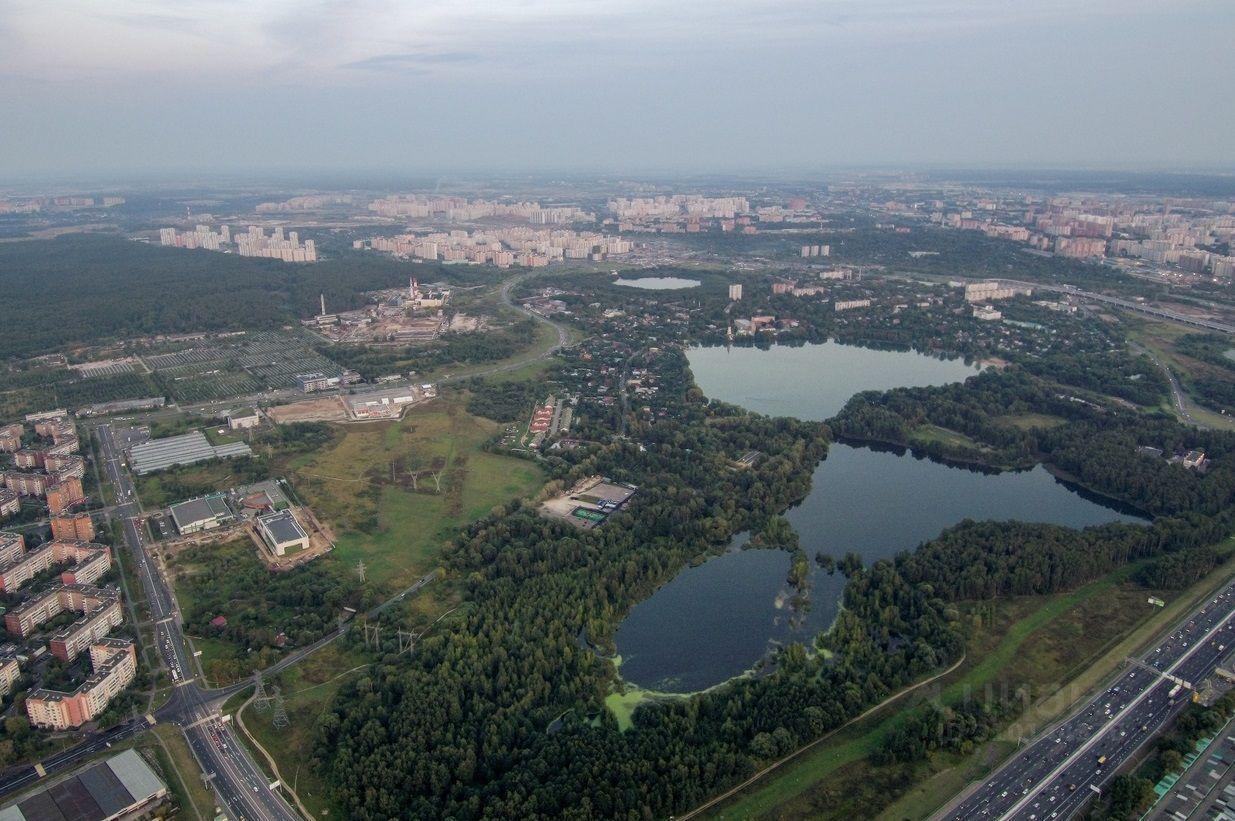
(122,786)
(185,449)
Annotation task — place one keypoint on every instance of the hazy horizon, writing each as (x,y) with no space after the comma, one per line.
(600,86)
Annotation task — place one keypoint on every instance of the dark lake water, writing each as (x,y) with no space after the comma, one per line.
(658,283)
(814,381)
(715,621)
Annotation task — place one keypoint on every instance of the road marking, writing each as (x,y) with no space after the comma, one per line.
(202,720)
(1113,720)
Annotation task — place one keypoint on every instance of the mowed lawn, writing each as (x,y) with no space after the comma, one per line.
(363,487)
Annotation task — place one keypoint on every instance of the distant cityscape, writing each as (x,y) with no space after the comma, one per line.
(252,243)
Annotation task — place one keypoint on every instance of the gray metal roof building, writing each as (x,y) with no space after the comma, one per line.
(159,454)
(281,530)
(110,789)
(202,513)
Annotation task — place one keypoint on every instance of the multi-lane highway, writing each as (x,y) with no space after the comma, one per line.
(239,786)
(1068,764)
(1132,305)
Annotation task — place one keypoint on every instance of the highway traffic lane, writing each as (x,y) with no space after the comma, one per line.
(1029,768)
(235,774)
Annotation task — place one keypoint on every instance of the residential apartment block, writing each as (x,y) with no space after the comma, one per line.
(70,642)
(82,598)
(90,562)
(73,527)
(115,665)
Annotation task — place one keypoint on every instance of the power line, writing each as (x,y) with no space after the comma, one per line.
(261,700)
(279,718)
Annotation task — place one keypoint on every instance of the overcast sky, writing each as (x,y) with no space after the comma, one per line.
(613,85)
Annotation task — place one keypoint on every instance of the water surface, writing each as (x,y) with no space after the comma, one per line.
(717,620)
(814,381)
(659,283)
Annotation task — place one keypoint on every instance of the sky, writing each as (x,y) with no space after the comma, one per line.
(611,86)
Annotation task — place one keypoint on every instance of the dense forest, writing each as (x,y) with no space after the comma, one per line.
(264,610)
(101,287)
(503,401)
(1213,387)
(502,716)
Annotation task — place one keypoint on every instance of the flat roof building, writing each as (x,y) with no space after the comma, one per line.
(73,527)
(311,382)
(10,503)
(186,449)
(9,672)
(118,787)
(282,532)
(240,419)
(115,665)
(202,513)
(64,494)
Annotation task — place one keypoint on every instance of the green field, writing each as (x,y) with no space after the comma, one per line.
(1030,421)
(158,490)
(307,690)
(1054,648)
(526,361)
(927,434)
(395,492)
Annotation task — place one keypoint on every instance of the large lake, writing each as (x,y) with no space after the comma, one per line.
(717,620)
(658,283)
(814,381)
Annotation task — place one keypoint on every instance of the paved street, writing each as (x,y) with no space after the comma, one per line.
(238,784)
(1059,771)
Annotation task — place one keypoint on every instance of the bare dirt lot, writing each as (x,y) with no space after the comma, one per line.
(310,410)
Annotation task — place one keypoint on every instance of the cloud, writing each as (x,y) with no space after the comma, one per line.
(336,41)
(411,62)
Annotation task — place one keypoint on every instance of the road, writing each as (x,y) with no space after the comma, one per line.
(1177,392)
(1132,305)
(239,785)
(1057,773)
(563,335)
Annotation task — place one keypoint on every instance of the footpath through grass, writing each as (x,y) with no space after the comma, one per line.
(308,689)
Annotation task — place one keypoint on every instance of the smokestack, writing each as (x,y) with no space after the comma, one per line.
(323,304)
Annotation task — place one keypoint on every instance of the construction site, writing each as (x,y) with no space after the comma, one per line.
(370,406)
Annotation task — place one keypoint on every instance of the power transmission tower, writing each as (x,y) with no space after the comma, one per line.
(406,640)
(261,700)
(360,570)
(279,718)
(373,630)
